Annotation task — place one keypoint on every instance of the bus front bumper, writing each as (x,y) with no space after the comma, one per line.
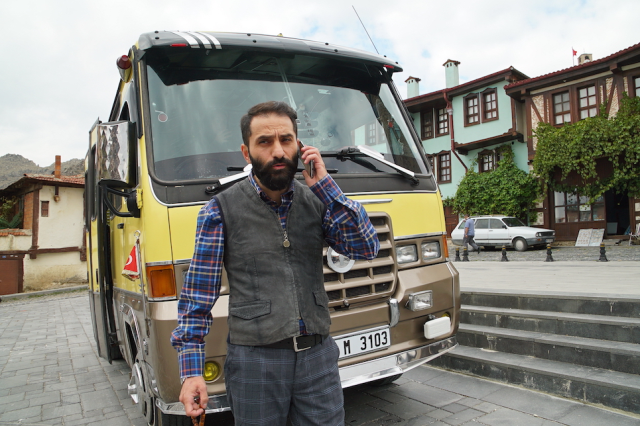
(351,375)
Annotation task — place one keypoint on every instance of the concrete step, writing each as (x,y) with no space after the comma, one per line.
(559,302)
(605,354)
(587,384)
(619,329)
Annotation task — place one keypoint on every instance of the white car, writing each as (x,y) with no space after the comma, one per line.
(496,231)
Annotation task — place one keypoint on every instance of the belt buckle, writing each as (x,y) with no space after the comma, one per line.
(295,345)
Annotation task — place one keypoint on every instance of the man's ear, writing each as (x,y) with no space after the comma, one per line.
(245,153)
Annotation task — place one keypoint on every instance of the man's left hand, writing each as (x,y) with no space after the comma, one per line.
(311,153)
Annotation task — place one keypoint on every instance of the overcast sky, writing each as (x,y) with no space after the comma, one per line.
(58,57)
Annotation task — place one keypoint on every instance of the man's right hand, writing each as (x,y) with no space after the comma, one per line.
(192,387)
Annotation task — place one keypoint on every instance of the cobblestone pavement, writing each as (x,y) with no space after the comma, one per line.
(50,374)
(621,252)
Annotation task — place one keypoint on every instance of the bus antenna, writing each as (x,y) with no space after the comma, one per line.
(365,29)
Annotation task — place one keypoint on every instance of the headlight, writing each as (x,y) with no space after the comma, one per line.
(538,234)
(430,250)
(211,371)
(419,301)
(407,254)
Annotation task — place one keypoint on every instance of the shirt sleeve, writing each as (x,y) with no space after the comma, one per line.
(346,225)
(200,291)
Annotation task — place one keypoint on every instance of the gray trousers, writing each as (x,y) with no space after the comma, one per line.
(469,240)
(266,385)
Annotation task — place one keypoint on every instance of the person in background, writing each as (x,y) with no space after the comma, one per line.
(469,233)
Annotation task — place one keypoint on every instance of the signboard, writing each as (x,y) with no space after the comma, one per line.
(590,237)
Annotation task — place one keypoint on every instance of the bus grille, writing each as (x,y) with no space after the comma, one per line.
(368,280)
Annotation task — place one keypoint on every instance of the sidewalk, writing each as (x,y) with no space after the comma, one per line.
(590,278)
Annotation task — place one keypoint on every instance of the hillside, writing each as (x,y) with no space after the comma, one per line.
(13,167)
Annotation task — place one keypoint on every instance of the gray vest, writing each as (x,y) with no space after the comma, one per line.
(272,286)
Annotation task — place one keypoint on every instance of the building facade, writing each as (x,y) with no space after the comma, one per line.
(464,125)
(48,245)
(568,96)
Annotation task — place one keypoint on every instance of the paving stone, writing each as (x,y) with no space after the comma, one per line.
(533,402)
(22,413)
(462,416)
(508,417)
(406,409)
(455,407)
(428,395)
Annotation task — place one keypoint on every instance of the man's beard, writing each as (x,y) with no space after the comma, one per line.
(275,180)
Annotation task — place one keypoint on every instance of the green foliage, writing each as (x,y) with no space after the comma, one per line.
(574,148)
(7,218)
(506,190)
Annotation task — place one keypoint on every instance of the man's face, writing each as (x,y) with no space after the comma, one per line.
(273,151)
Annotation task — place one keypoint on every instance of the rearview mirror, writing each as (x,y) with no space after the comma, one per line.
(116,154)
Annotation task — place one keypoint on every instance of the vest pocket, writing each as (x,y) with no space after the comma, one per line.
(250,310)
(321,298)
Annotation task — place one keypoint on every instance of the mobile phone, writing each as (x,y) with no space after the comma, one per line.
(309,166)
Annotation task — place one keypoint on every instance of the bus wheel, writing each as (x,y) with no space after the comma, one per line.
(139,393)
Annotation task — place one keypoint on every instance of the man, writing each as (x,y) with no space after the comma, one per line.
(268,230)
(469,233)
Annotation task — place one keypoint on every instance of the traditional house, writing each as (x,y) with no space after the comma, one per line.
(466,122)
(567,96)
(48,245)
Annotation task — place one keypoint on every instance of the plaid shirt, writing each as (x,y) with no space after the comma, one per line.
(347,230)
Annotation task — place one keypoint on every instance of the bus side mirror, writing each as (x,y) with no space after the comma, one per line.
(116,154)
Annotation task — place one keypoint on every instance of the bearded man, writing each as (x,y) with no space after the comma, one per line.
(268,231)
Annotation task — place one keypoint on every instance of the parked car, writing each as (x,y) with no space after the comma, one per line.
(494,231)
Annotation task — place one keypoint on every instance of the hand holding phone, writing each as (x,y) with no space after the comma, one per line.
(309,166)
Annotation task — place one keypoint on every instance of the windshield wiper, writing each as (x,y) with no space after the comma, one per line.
(222,182)
(352,153)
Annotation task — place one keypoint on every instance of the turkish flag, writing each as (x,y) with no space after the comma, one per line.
(131,267)
(575,52)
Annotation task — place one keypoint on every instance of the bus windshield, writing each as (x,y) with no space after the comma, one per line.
(196,101)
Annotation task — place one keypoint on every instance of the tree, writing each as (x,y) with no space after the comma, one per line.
(506,190)
(576,149)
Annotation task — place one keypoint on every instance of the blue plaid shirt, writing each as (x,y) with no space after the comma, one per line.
(347,230)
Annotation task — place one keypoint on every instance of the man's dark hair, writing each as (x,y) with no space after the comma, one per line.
(266,108)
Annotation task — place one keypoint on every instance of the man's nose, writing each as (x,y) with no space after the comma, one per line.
(278,150)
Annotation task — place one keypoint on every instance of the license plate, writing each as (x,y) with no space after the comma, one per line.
(549,240)
(363,342)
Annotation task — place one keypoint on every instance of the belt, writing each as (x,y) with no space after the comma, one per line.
(297,343)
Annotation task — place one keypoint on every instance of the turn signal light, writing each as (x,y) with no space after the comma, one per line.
(161,280)
(211,371)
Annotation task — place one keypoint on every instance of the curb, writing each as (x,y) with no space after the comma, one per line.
(43,293)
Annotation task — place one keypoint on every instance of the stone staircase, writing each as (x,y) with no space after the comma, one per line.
(581,347)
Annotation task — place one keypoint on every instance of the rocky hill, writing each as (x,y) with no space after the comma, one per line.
(13,167)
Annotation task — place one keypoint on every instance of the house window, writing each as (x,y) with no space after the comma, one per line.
(443,121)
(561,108)
(486,161)
(637,84)
(44,208)
(587,102)
(426,118)
(370,138)
(432,164)
(576,208)
(490,105)
(444,167)
(472,114)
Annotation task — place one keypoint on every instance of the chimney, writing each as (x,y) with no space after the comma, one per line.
(584,58)
(413,87)
(56,173)
(451,73)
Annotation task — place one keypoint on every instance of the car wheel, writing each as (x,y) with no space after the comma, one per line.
(520,244)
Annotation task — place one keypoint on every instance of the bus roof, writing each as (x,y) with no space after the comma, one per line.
(220,40)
